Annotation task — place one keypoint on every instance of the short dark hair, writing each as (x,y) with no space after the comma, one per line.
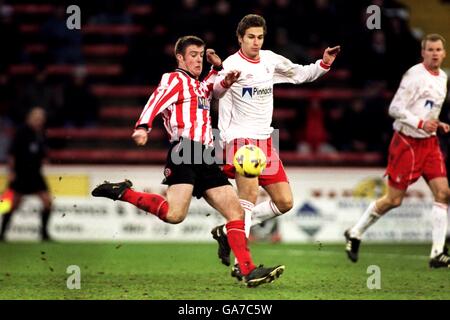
(250,21)
(186,41)
(432,37)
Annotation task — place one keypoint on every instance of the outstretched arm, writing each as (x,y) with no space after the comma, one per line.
(213,58)
(165,95)
(288,72)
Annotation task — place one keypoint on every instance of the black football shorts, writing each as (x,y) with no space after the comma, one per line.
(193,163)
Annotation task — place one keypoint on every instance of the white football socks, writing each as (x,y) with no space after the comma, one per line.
(264,211)
(369,217)
(248,207)
(439,228)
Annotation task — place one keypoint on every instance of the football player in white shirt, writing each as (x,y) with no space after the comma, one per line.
(414,151)
(245,116)
(187,99)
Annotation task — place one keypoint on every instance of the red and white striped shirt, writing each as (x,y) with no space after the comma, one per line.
(184,103)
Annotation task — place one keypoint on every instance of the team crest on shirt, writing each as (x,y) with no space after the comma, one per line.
(202,103)
(167,172)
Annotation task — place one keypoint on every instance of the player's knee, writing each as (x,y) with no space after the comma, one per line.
(174,217)
(174,220)
(394,202)
(284,205)
(441,196)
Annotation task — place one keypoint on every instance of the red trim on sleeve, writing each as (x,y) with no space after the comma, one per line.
(223,84)
(324,65)
(420,125)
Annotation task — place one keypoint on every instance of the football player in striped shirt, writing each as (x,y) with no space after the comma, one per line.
(191,169)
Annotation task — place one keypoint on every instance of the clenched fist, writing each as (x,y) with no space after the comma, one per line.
(140,136)
(213,58)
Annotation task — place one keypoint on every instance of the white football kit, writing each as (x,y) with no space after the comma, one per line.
(419,98)
(245,111)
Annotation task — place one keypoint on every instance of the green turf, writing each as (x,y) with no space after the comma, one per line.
(192,271)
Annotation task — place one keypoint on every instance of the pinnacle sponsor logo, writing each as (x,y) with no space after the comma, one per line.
(429,103)
(247,92)
(255,92)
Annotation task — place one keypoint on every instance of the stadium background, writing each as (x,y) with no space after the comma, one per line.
(333,133)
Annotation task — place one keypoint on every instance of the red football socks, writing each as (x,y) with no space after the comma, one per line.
(238,243)
(150,202)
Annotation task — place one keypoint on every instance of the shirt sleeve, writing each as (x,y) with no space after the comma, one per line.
(225,107)
(210,82)
(288,72)
(165,95)
(398,108)
(220,88)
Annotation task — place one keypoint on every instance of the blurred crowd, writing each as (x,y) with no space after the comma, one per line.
(374,60)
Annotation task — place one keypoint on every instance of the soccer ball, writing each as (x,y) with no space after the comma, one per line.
(249,161)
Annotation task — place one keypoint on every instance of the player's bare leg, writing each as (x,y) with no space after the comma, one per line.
(225,200)
(247,193)
(392,199)
(247,188)
(178,194)
(282,201)
(179,198)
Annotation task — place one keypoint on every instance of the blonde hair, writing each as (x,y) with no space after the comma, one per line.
(432,37)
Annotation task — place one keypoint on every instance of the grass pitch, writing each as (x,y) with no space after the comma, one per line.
(179,271)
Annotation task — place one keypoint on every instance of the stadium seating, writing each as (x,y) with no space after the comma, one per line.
(104,47)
